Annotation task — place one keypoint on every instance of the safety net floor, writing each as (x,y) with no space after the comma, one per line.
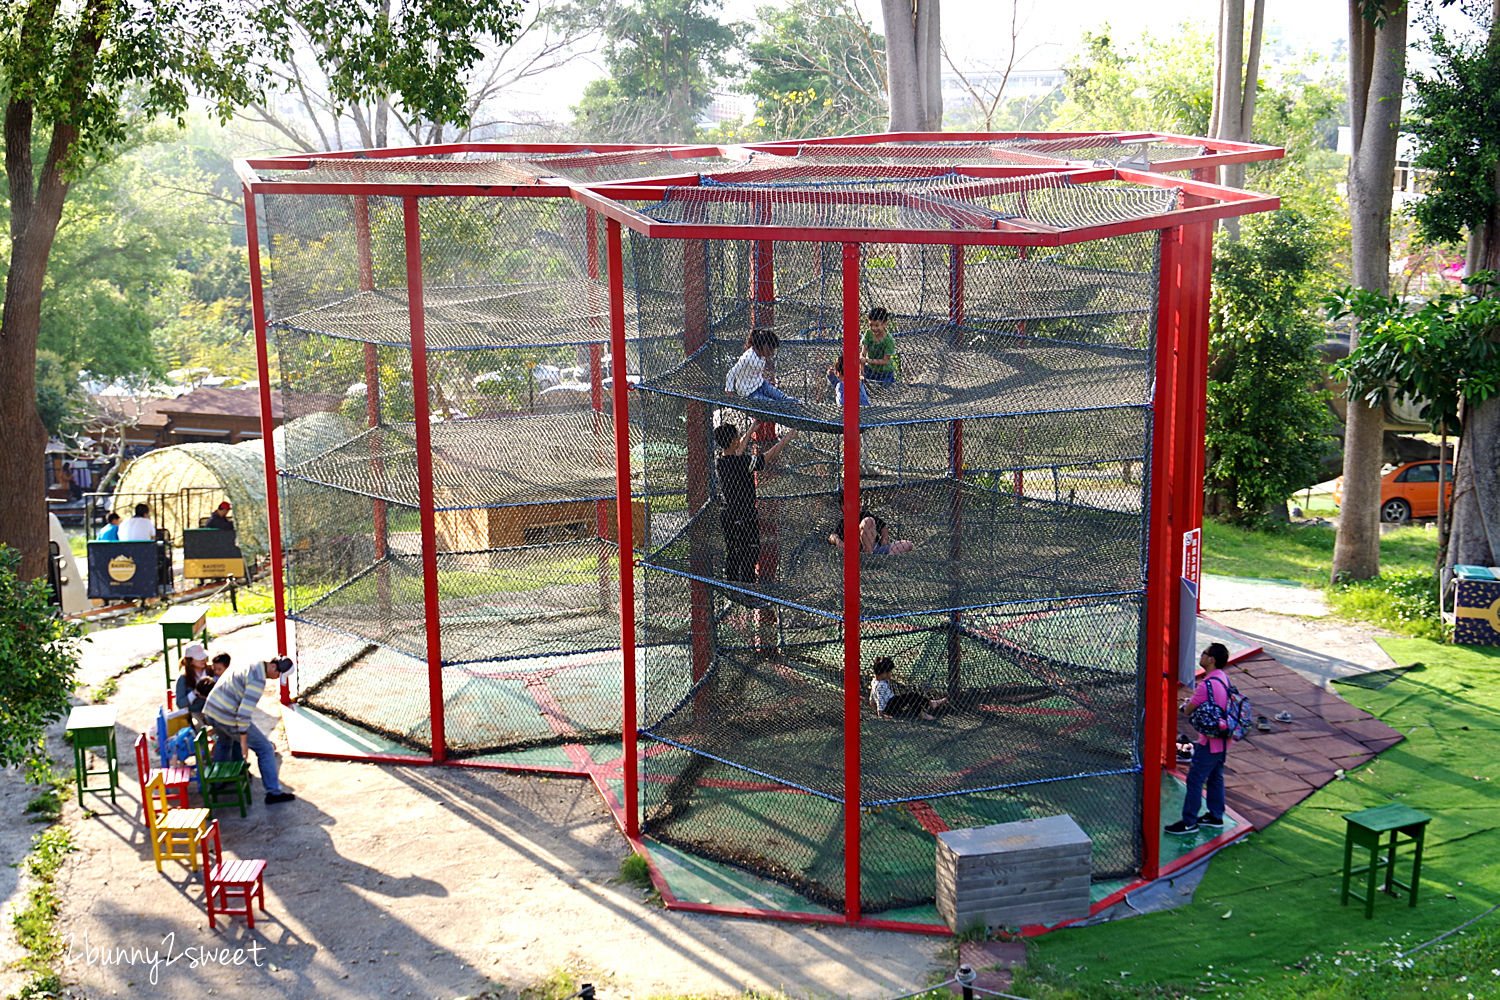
(528,459)
(497,705)
(1000,548)
(1013,374)
(515,314)
(534,600)
(1113,149)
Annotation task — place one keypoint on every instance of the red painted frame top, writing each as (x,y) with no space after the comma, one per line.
(504,169)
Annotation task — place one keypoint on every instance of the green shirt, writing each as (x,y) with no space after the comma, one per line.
(880,352)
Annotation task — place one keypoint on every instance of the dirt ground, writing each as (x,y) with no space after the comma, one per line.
(402,882)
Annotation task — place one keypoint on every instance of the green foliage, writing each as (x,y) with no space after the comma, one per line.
(1267,420)
(1443,353)
(1455,119)
(58,397)
(1402,600)
(36,921)
(46,806)
(818,68)
(37,663)
(1149,85)
(663,58)
(1303,117)
(635,870)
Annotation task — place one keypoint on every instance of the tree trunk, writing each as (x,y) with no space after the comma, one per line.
(1236,74)
(913,67)
(1377,69)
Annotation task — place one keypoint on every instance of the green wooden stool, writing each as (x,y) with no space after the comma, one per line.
(94,726)
(1365,830)
(184,622)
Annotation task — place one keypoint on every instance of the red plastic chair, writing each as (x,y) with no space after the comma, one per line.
(176,779)
(225,881)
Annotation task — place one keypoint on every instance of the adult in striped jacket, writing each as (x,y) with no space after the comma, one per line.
(229,709)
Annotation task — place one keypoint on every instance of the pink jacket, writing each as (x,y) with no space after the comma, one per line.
(1220,690)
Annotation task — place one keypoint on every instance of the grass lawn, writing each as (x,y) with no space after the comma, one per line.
(1403,598)
(1266,920)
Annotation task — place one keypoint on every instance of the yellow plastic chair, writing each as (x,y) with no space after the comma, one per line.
(175,833)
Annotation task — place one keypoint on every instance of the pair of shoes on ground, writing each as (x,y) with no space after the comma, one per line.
(1184,829)
(275,797)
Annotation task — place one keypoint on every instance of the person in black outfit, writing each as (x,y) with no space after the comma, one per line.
(740,520)
(220,518)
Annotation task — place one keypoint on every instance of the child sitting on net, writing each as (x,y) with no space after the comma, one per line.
(874,536)
(747,377)
(836,383)
(889,704)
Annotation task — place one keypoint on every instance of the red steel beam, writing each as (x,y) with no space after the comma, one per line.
(423,427)
(1161,537)
(267,424)
(624,522)
(851,586)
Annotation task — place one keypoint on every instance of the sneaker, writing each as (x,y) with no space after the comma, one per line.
(1182,829)
(276,797)
(1209,819)
(1283,716)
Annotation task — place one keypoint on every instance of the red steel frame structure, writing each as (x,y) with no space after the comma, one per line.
(1175,505)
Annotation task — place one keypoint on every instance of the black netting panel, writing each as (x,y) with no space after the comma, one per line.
(522,460)
(978,331)
(497,272)
(748,734)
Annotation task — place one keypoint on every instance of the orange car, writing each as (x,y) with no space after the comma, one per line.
(1407,491)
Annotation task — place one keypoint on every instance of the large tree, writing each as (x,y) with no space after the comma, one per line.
(664,59)
(1456,124)
(913,51)
(76,77)
(817,68)
(1377,70)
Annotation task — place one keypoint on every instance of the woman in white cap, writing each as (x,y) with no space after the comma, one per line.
(194,669)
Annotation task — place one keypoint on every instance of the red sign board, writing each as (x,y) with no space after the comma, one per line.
(1192,555)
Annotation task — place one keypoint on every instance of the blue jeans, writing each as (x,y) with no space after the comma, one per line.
(1206,768)
(885,377)
(838,391)
(227,745)
(770,393)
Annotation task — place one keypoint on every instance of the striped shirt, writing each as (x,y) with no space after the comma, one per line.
(234,697)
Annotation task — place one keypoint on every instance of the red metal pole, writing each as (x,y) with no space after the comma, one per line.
(851,585)
(763,312)
(372,405)
(625,522)
(424,475)
(699,460)
(267,424)
(1161,539)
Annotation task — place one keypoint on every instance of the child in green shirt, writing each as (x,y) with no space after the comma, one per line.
(880,348)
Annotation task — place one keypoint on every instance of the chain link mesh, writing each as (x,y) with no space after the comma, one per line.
(521,457)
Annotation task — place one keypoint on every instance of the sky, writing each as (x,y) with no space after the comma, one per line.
(975,30)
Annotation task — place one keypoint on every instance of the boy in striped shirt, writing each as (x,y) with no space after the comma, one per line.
(229,709)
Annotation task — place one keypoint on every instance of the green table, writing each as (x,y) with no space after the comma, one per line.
(179,623)
(94,726)
(1365,831)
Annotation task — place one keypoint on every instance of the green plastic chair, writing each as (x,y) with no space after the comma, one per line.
(222,784)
